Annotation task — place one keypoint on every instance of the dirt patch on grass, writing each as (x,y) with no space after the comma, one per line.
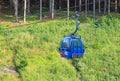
(10,69)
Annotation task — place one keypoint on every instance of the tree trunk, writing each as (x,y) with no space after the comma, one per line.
(44,2)
(99,6)
(50,6)
(0,8)
(88,4)
(75,4)
(105,4)
(25,7)
(94,8)
(86,8)
(68,6)
(40,9)
(60,3)
(28,7)
(11,3)
(52,9)
(116,6)
(16,9)
(80,5)
(108,6)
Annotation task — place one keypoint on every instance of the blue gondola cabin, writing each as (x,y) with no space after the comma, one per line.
(71,47)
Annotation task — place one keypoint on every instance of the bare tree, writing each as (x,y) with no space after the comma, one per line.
(25,7)
(116,5)
(68,6)
(99,6)
(28,6)
(94,8)
(105,5)
(80,5)
(86,8)
(11,3)
(52,9)
(88,4)
(75,4)
(108,6)
(16,9)
(40,9)
(50,5)
(60,4)
(0,7)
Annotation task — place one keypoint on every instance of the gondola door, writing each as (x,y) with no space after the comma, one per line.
(74,48)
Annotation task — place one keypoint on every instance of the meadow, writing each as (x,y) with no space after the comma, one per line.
(33,51)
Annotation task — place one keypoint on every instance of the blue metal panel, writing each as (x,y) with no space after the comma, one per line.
(71,46)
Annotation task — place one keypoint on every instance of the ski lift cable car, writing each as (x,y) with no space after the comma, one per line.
(72,46)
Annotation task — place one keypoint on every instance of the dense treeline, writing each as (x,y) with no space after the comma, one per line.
(29,6)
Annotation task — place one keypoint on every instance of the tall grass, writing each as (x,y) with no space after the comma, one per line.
(36,57)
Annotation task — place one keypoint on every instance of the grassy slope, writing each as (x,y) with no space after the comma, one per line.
(33,50)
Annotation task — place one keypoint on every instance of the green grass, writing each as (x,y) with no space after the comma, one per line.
(33,50)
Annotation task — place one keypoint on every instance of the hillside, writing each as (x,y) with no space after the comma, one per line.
(30,53)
